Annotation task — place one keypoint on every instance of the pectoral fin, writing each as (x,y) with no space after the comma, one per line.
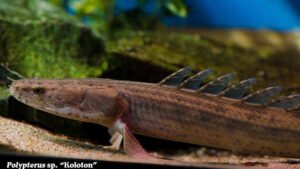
(132,146)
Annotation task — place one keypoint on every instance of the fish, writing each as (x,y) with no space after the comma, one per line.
(180,108)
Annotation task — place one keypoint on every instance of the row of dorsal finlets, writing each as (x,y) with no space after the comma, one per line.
(221,87)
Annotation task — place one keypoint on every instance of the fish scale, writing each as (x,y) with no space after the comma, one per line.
(171,119)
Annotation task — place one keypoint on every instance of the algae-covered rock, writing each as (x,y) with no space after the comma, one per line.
(159,51)
(39,40)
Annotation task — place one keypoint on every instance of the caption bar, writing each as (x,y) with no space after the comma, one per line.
(18,165)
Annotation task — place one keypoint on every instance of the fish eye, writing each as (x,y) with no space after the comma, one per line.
(38,90)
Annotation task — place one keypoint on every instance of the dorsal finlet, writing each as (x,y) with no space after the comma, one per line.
(294,109)
(288,103)
(237,91)
(262,96)
(176,78)
(194,81)
(218,85)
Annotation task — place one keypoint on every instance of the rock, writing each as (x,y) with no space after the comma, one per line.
(40,40)
(157,54)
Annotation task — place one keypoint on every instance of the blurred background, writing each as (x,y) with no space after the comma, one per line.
(213,19)
(282,15)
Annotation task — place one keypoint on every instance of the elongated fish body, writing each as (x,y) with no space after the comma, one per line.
(164,111)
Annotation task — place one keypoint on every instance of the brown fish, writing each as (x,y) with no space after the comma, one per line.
(179,108)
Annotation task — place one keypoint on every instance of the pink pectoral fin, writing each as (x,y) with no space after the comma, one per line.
(133,147)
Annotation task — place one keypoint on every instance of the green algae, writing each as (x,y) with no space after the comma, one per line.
(38,40)
(172,51)
(4,93)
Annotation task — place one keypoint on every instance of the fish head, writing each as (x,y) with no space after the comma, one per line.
(71,99)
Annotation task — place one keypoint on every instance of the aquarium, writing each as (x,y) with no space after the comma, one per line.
(149,83)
